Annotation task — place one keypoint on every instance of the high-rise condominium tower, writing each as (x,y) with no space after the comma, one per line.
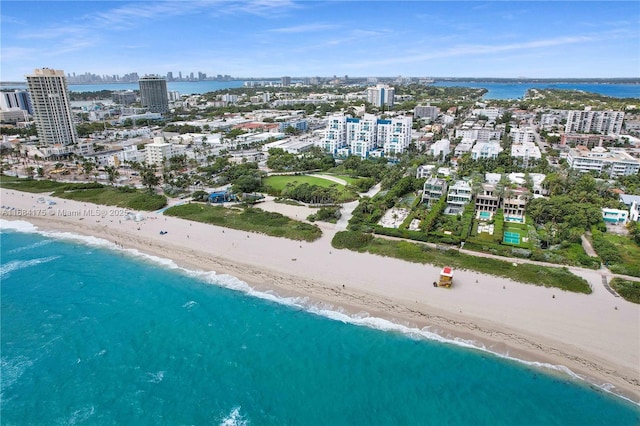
(153,93)
(381,95)
(51,107)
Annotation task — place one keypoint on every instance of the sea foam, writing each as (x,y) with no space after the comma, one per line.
(234,418)
(16,265)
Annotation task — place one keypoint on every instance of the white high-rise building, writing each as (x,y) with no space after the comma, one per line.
(361,134)
(16,99)
(381,95)
(335,136)
(587,121)
(51,107)
(394,135)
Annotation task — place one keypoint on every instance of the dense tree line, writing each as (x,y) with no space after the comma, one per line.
(315,159)
(504,163)
(309,193)
(181,129)
(91,96)
(574,206)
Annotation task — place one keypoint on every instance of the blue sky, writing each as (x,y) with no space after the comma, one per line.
(271,38)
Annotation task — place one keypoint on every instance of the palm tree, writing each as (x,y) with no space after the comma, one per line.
(112,173)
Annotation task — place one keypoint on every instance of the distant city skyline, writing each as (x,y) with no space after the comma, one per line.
(305,38)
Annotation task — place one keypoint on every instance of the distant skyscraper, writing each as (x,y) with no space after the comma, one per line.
(153,93)
(51,107)
(285,81)
(381,95)
(169,76)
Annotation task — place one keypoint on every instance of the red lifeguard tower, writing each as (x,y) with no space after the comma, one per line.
(446,277)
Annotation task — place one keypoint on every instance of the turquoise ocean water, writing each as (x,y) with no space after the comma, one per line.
(96,335)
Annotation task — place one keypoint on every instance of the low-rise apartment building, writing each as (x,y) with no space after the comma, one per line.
(613,163)
(526,150)
(489,149)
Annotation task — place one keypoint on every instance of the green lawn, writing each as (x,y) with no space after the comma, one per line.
(247,219)
(279,182)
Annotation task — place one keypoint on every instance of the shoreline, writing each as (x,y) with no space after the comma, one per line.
(580,332)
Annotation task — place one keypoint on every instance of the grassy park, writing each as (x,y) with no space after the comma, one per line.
(309,189)
(247,219)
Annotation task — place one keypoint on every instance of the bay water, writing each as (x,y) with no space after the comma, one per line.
(94,334)
(495,90)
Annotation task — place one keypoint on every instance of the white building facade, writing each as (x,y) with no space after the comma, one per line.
(380,95)
(158,151)
(605,122)
(441,148)
(366,136)
(489,149)
(394,135)
(612,163)
(51,107)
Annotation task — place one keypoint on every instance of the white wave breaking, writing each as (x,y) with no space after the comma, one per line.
(234,418)
(16,265)
(362,319)
(29,247)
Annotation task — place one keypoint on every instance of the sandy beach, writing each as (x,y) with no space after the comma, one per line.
(597,336)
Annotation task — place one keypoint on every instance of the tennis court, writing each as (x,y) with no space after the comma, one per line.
(511,237)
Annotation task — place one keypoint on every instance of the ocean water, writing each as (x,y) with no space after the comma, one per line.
(92,334)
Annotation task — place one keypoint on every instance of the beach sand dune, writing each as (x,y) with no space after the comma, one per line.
(597,336)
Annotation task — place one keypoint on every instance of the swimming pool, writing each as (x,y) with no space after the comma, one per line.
(514,219)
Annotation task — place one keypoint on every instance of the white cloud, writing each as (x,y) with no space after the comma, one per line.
(479,49)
